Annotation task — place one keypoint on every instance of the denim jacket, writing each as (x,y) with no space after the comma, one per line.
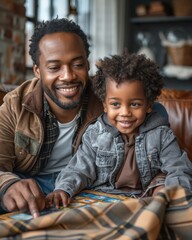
(101,154)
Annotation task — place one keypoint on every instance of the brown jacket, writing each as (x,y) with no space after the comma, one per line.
(22,131)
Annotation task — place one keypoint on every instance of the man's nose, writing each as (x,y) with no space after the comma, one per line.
(67,74)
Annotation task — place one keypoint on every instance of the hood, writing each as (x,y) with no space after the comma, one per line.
(153,120)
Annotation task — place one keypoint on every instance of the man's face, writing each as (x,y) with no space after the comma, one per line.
(63,69)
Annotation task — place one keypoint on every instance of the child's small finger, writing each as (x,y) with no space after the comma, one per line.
(56,201)
(65,200)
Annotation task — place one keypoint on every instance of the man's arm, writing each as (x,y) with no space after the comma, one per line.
(15,194)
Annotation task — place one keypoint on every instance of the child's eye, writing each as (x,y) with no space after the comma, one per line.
(135,104)
(115,104)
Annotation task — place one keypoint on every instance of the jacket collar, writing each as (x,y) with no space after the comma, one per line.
(33,101)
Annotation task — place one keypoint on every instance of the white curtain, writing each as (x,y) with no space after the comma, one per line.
(107,29)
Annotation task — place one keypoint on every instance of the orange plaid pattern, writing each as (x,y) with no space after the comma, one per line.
(168,215)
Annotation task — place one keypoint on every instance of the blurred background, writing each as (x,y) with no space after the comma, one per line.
(160,29)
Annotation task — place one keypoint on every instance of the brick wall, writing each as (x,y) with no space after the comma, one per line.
(12,41)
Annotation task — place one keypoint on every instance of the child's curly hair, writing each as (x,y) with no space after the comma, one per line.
(128,67)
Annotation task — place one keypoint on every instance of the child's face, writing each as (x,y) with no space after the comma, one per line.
(126,105)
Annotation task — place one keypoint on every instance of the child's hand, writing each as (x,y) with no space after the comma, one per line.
(57,198)
(157,189)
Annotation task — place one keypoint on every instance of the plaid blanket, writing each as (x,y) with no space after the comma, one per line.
(165,216)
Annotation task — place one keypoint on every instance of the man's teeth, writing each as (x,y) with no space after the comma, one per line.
(68,89)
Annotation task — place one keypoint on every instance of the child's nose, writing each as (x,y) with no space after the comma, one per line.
(126,111)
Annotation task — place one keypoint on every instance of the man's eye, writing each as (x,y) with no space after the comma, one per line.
(53,68)
(78,65)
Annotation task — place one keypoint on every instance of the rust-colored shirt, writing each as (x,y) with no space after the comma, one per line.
(128,177)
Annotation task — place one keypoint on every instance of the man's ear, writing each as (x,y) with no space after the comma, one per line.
(36,71)
(150,107)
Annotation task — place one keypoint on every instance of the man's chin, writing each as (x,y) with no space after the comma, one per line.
(68,106)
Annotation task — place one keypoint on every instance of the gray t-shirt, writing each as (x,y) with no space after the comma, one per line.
(62,151)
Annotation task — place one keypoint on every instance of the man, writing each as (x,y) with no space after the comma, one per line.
(42,121)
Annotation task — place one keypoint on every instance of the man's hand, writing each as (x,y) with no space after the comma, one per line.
(24,195)
(57,198)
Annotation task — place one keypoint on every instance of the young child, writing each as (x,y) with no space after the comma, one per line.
(130,149)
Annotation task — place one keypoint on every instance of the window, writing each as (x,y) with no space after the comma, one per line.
(38,10)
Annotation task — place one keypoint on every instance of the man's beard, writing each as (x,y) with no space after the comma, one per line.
(65,106)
